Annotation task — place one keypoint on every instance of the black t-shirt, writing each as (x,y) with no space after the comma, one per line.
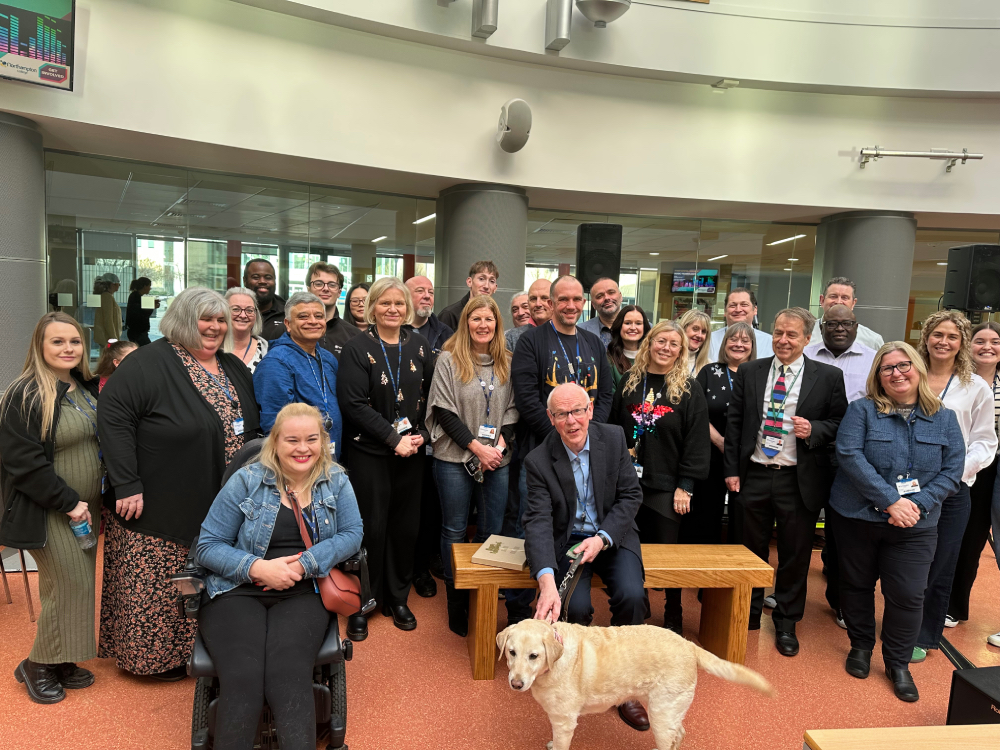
(285,540)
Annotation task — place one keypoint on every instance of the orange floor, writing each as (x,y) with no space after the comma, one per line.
(415,691)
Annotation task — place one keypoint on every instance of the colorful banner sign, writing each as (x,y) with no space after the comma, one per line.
(36,42)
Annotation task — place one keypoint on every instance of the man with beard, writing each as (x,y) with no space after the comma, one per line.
(259,277)
(425,322)
(606,298)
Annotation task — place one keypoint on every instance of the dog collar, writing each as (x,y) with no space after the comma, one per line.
(557,636)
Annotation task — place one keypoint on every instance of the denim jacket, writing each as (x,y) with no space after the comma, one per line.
(237,530)
(874,452)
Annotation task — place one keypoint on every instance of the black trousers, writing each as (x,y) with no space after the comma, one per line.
(769,497)
(429,535)
(655,528)
(977,533)
(138,338)
(901,558)
(388,489)
(831,564)
(264,647)
(622,573)
(703,524)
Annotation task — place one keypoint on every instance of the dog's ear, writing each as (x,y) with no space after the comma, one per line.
(553,648)
(502,640)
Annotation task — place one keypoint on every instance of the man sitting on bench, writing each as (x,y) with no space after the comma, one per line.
(583,491)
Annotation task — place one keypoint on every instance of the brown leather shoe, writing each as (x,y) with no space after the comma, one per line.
(634,715)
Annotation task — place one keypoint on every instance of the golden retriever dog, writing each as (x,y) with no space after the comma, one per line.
(573,670)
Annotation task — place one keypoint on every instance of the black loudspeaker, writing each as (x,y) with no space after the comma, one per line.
(973,278)
(975,696)
(598,253)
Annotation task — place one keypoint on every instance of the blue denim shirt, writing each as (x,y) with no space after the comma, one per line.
(237,531)
(874,452)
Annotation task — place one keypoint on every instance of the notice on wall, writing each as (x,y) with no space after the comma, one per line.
(93,300)
(147,302)
(36,42)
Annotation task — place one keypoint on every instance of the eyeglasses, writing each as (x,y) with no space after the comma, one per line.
(358,301)
(903,367)
(331,285)
(833,325)
(247,311)
(562,416)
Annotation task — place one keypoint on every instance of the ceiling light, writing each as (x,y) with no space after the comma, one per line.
(793,260)
(379,239)
(787,239)
(786,269)
(426,218)
(718,257)
(654,253)
(940,264)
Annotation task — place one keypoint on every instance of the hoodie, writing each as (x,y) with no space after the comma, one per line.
(288,374)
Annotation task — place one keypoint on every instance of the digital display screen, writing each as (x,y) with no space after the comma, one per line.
(36,42)
(688,281)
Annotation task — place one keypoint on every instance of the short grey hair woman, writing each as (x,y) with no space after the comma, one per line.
(244,339)
(378,289)
(170,420)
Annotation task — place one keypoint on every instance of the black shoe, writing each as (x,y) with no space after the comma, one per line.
(633,714)
(859,663)
(425,585)
(357,627)
(786,643)
(458,610)
(73,677)
(41,681)
(754,624)
(674,622)
(171,675)
(436,567)
(902,684)
(401,616)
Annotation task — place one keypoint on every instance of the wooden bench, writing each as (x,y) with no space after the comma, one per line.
(966,737)
(727,573)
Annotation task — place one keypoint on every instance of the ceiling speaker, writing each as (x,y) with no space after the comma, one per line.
(514,126)
(603,12)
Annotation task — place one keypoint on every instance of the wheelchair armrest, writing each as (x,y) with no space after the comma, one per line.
(358,564)
(190,582)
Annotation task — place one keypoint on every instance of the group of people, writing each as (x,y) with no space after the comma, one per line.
(388,427)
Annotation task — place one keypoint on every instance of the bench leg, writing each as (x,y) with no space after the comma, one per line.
(483,631)
(725,614)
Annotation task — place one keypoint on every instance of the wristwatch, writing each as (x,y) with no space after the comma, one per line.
(607,542)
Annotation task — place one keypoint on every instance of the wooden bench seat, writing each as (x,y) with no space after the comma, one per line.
(966,737)
(727,573)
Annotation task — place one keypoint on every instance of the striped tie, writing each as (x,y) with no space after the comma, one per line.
(774,421)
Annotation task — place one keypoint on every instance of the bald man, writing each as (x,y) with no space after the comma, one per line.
(425,322)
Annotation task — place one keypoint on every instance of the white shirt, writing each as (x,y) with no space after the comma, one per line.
(866,336)
(763,344)
(973,405)
(855,363)
(793,385)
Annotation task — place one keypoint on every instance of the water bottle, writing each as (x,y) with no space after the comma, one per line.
(84,534)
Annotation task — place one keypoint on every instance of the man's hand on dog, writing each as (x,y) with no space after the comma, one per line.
(549,606)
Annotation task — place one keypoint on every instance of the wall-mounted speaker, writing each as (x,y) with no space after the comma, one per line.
(514,126)
(972,281)
(598,253)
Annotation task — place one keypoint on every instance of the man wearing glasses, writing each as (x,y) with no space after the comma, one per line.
(325,281)
(740,306)
(842,291)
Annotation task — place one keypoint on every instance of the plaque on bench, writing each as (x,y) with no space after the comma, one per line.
(501,552)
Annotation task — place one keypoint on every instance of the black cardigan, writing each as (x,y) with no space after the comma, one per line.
(31,487)
(678,451)
(161,437)
(137,319)
(368,405)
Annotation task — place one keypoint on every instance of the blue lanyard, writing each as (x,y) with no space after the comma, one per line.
(320,381)
(487,393)
(909,430)
(396,382)
(574,371)
(729,375)
(223,383)
(582,500)
(85,415)
(945,391)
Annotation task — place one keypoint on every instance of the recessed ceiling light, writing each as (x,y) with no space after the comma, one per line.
(426,218)
(793,259)
(654,253)
(786,269)
(787,239)
(940,264)
(379,239)
(718,257)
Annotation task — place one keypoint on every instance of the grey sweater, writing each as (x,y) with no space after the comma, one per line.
(468,401)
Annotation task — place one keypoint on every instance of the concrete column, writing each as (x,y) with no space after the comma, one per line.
(22,240)
(875,250)
(362,263)
(480,222)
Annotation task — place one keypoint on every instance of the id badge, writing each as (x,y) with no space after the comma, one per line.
(430,449)
(907,487)
(104,483)
(402,425)
(638,470)
(238,426)
(487,431)
(774,443)
(333,449)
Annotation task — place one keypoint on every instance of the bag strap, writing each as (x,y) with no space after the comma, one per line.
(294,502)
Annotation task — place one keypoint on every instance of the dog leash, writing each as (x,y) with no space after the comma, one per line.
(568,586)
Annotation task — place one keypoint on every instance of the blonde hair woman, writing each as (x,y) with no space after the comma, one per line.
(471,415)
(265,621)
(697,328)
(901,459)
(50,476)
(945,346)
(665,418)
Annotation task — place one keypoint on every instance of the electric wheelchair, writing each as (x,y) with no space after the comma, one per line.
(329,670)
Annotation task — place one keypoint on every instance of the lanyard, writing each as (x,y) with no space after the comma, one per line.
(85,415)
(487,392)
(574,371)
(580,499)
(788,390)
(396,389)
(308,514)
(729,375)
(909,430)
(320,381)
(945,391)
(249,344)
(223,383)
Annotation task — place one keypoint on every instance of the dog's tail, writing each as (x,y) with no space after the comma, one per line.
(727,670)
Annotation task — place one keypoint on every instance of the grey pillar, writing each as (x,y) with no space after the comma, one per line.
(22,240)
(480,222)
(875,250)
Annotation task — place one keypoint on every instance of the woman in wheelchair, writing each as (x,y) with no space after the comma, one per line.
(265,620)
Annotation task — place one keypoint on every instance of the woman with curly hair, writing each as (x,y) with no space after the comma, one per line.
(946,348)
(665,418)
(697,327)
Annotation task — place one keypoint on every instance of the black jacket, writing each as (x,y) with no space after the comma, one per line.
(137,319)
(434,331)
(272,323)
(161,437)
(822,400)
(30,485)
(538,366)
(338,332)
(453,312)
(551,504)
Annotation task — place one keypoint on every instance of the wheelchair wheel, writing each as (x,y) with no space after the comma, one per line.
(338,708)
(199,715)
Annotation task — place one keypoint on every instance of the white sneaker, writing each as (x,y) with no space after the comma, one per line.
(950,622)
(769,601)
(994,640)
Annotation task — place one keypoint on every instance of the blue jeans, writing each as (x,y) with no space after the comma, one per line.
(950,530)
(458,491)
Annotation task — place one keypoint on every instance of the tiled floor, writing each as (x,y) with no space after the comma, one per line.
(414,690)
